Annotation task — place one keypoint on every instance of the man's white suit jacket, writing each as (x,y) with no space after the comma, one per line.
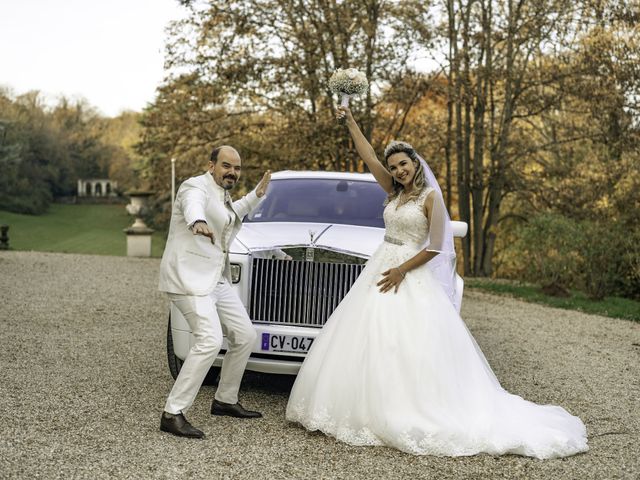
(191,264)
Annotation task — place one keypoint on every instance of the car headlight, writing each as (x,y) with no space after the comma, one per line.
(235,272)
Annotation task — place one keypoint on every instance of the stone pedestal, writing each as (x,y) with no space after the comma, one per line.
(138,241)
(138,234)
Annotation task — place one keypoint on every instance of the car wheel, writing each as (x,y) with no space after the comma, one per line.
(175,363)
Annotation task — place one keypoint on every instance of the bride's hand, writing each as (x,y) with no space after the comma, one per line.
(344,112)
(391,279)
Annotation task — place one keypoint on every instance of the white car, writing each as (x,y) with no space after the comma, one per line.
(294,260)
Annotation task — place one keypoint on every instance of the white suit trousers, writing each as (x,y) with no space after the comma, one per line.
(208,316)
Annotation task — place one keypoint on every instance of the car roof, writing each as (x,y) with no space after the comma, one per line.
(365,177)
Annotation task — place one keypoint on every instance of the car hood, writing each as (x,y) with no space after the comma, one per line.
(350,239)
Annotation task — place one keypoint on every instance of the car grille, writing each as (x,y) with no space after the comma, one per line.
(298,293)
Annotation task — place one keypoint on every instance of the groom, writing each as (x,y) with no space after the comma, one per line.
(195,274)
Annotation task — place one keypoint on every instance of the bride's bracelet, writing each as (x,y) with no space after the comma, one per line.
(401,272)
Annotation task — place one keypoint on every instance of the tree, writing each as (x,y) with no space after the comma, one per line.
(43,150)
(533,109)
(29,154)
(255,74)
(496,86)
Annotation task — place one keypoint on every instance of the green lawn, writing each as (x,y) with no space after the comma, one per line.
(615,307)
(92,229)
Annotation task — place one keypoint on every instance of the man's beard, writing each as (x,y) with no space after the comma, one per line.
(229,177)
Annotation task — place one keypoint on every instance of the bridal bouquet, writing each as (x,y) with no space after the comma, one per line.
(348,83)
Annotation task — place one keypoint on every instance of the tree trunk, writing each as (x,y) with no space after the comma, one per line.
(483,79)
(462,149)
(450,101)
(497,176)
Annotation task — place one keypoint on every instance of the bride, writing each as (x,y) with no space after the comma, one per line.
(395,364)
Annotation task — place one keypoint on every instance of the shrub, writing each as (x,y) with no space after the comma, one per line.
(549,253)
(603,249)
(600,258)
(627,279)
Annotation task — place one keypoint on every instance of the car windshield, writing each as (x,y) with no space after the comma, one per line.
(326,200)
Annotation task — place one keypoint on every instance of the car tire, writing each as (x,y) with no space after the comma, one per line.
(175,363)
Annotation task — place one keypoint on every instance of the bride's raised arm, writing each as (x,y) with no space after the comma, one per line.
(366,152)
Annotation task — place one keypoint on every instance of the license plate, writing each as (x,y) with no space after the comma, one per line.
(286,343)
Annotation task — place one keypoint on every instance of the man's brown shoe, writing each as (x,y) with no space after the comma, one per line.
(178,425)
(232,410)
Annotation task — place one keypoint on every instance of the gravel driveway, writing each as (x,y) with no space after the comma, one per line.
(83,350)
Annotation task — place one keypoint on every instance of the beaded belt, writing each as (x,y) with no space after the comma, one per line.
(395,241)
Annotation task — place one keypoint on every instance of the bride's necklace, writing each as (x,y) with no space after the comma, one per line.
(402,198)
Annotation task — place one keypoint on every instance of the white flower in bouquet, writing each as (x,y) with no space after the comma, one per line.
(348,82)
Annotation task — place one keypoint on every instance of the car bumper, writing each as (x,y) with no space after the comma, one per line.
(261,359)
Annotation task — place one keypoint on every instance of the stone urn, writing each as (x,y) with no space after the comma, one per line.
(138,234)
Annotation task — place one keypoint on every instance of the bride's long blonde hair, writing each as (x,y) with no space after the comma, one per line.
(419,181)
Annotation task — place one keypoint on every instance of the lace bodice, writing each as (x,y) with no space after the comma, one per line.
(407,222)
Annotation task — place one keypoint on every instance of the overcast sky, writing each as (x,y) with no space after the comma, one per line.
(107,51)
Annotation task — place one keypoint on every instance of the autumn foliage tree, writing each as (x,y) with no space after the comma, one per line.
(255,74)
(45,149)
(528,108)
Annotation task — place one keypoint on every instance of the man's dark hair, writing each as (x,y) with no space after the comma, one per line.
(214,154)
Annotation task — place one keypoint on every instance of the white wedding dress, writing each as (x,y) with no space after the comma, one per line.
(402,370)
